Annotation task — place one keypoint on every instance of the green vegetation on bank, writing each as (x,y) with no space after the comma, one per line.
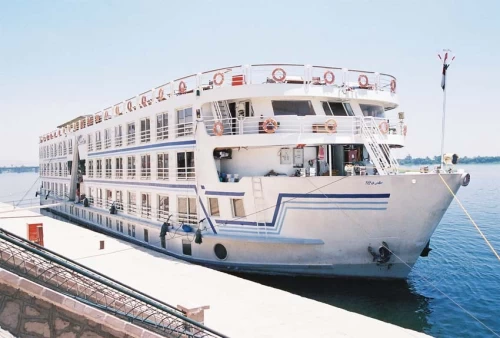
(408,160)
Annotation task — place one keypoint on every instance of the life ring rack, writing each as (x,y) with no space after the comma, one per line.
(329,77)
(270,126)
(218,128)
(278,78)
(383,127)
(331,126)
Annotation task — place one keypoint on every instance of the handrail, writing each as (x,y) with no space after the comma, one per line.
(251,77)
(168,318)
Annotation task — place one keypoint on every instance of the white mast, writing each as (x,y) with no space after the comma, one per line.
(447,59)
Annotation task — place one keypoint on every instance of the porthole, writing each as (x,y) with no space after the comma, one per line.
(220,251)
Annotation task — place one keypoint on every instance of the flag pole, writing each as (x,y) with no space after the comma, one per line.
(443,128)
(447,59)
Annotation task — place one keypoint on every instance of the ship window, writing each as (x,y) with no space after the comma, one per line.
(370,110)
(131,203)
(145,130)
(119,200)
(119,167)
(348,109)
(213,204)
(334,109)
(185,121)
(99,197)
(162,126)
(131,229)
(145,167)
(119,226)
(90,145)
(163,208)
(146,235)
(118,136)
(238,207)
(109,198)
(299,108)
(91,168)
(98,168)
(131,167)
(145,205)
(108,167)
(162,170)
(64,148)
(107,138)
(186,209)
(130,133)
(185,166)
(98,144)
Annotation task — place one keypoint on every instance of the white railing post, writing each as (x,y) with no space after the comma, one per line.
(345,76)
(171,89)
(377,80)
(248,74)
(198,81)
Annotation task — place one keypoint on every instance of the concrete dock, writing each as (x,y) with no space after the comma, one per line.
(238,307)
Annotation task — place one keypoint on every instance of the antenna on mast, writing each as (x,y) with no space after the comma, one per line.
(447,57)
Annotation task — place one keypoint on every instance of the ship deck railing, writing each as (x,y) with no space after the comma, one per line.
(345,125)
(237,76)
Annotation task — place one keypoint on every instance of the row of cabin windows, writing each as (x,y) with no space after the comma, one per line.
(54,169)
(60,149)
(103,198)
(55,189)
(184,127)
(305,107)
(185,166)
(186,206)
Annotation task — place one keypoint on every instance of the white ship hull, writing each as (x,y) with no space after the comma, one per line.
(324,233)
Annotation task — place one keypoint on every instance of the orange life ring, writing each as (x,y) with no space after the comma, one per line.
(160,94)
(384,127)
(329,77)
(405,130)
(129,105)
(331,126)
(60,132)
(182,87)
(218,128)
(106,115)
(279,78)
(363,84)
(393,86)
(220,77)
(117,110)
(144,101)
(270,126)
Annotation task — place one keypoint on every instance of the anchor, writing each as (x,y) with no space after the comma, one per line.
(383,255)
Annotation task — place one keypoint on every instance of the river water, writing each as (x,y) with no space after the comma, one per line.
(459,280)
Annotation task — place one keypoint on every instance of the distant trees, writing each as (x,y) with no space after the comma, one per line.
(409,160)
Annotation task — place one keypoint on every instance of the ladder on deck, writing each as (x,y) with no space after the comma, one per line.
(258,199)
(223,114)
(380,153)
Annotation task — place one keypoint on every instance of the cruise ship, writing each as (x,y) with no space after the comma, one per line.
(280,169)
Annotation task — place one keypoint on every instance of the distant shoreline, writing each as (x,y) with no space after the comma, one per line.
(408,160)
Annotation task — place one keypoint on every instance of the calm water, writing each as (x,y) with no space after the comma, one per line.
(460,266)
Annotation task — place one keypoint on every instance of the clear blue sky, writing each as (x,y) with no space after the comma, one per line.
(60,59)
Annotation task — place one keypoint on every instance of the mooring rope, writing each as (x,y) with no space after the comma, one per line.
(470,218)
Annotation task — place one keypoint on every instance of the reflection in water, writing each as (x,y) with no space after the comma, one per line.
(391,301)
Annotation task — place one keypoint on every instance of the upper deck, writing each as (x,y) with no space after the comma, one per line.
(250,81)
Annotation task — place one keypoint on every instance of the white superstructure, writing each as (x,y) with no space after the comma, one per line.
(279,169)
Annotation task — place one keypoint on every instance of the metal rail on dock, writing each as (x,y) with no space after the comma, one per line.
(66,276)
